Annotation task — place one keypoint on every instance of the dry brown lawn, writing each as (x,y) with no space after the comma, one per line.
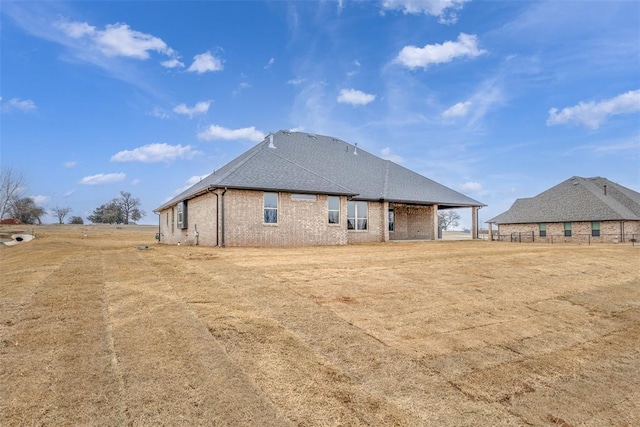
(94,331)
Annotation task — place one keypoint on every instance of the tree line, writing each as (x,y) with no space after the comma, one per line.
(13,204)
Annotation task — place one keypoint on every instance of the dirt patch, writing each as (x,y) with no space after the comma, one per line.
(94,331)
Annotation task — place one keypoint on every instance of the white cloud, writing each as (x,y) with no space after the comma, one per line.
(69,193)
(200,108)
(458,110)
(157,152)
(445,10)
(386,154)
(158,113)
(188,184)
(103,178)
(214,132)
(135,181)
(117,39)
(471,186)
(76,30)
(242,86)
(414,57)
(270,63)
(70,164)
(355,97)
(19,105)
(172,63)
(295,82)
(205,62)
(593,114)
(356,63)
(195,179)
(41,200)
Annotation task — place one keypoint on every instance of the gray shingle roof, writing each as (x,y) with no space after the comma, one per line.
(576,199)
(308,163)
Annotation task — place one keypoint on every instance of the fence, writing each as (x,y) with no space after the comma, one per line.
(530,237)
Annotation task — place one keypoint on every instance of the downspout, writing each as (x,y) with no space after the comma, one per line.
(159,225)
(210,190)
(222,219)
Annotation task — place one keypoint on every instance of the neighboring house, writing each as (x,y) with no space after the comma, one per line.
(583,209)
(295,189)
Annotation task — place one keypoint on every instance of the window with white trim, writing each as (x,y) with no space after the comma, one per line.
(357,216)
(392,220)
(595,229)
(333,204)
(542,229)
(270,208)
(567,229)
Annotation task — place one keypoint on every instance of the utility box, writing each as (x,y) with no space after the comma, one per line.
(182,215)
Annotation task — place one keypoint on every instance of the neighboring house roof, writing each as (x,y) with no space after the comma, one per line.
(576,199)
(300,162)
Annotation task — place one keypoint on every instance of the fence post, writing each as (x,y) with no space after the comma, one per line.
(533,236)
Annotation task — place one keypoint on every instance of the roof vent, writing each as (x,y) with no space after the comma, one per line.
(355,149)
(605,189)
(286,132)
(312,136)
(271,144)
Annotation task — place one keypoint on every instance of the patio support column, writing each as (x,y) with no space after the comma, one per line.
(474,222)
(385,221)
(435,222)
(490,232)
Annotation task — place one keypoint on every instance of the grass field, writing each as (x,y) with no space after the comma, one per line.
(95,331)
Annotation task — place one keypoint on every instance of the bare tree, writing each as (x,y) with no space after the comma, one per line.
(26,210)
(60,213)
(130,207)
(12,185)
(447,219)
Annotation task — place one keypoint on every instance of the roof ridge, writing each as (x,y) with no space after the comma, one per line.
(609,201)
(257,148)
(312,172)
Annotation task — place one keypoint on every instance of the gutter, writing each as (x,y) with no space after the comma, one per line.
(222,219)
(210,190)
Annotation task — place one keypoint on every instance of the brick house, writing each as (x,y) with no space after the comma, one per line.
(299,189)
(578,209)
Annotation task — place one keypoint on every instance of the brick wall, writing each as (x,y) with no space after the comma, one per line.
(412,222)
(201,216)
(580,231)
(300,222)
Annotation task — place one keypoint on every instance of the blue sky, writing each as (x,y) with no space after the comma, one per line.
(496,99)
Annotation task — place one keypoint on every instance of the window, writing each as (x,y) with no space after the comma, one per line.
(304,197)
(173,220)
(333,203)
(392,220)
(567,229)
(270,208)
(543,229)
(357,214)
(595,229)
